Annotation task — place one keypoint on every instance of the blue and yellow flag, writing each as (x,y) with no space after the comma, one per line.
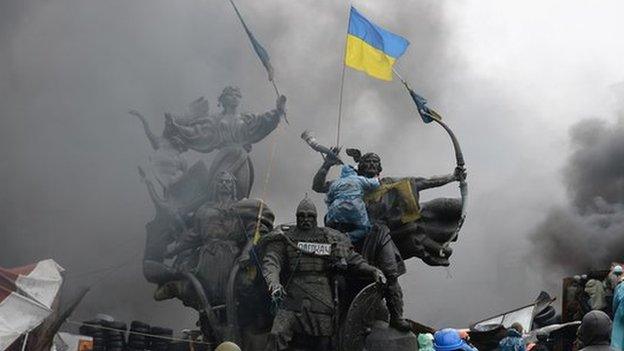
(372,49)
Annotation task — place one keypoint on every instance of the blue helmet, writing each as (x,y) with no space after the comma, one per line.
(449,340)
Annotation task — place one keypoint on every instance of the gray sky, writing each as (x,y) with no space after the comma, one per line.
(510,77)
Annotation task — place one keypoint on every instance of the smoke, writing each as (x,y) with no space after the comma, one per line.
(588,233)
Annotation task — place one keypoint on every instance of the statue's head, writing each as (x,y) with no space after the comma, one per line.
(230,98)
(306,214)
(225,185)
(369,164)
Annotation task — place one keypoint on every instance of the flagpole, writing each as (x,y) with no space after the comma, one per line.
(396,73)
(342,75)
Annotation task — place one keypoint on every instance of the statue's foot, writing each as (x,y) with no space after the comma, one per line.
(400,324)
(167,291)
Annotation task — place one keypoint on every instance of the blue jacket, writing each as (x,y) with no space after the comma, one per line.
(345,201)
(617,334)
(512,342)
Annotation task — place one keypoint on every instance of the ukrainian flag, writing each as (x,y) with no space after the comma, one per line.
(372,49)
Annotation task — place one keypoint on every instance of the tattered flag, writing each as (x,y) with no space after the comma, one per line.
(263,55)
(427,114)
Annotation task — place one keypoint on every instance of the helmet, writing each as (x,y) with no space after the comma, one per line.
(228,346)
(306,205)
(617,269)
(449,340)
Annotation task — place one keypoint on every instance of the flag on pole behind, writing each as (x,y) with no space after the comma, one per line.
(263,55)
(372,49)
(427,114)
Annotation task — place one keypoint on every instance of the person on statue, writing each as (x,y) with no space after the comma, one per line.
(377,246)
(346,210)
(298,266)
(232,134)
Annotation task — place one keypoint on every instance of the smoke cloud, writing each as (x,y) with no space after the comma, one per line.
(588,232)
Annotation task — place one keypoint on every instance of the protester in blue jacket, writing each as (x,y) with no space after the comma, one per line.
(617,334)
(346,210)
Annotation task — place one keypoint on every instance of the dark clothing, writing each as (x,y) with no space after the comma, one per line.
(595,331)
(303,262)
(379,249)
(604,347)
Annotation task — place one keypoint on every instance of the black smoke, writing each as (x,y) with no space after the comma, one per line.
(588,232)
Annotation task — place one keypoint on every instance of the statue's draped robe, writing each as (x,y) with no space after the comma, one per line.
(232,136)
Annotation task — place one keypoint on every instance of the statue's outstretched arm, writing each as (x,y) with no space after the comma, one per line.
(153,139)
(259,126)
(436,181)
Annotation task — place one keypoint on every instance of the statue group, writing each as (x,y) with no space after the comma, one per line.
(268,286)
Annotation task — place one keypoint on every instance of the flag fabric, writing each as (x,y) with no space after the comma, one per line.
(427,114)
(26,297)
(263,55)
(372,49)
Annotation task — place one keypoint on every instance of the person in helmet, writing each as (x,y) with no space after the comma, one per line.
(449,340)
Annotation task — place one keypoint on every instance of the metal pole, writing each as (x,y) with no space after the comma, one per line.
(340,103)
(25,341)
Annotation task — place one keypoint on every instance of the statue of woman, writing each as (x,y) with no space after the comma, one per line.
(232,134)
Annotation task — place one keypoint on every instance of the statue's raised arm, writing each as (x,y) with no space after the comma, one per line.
(231,134)
(258,127)
(153,139)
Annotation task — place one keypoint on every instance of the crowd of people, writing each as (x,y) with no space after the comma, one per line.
(596,303)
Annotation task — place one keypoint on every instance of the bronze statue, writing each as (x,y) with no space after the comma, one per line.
(215,267)
(229,132)
(232,134)
(394,210)
(298,265)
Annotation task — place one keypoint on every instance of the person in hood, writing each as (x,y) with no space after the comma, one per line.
(346,210)
(594,332)
(513,341)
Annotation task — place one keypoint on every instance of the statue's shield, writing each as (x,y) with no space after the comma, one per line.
(360,314)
